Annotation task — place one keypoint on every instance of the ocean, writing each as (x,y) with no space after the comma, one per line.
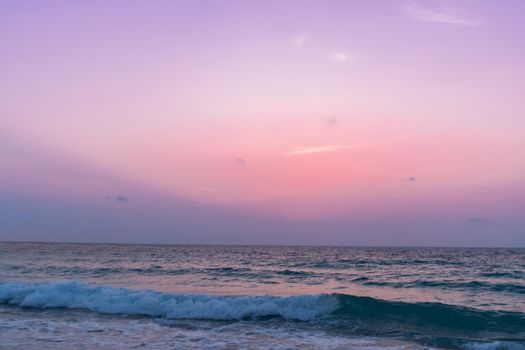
(103,296)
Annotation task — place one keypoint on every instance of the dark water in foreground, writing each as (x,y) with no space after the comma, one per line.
(60,296)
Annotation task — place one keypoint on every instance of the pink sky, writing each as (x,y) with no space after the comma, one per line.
(276,110)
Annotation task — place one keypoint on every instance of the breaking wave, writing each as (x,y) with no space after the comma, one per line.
(106,299)
(447,326)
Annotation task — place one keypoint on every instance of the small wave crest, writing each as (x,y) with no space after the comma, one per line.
(471,285)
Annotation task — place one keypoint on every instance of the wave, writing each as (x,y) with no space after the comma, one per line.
(500,274)
(473,285)
(154,270)
(348,313)
(379,312)
(106,299)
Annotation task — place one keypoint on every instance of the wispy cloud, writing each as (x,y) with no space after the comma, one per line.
(440,12)
(299,40)
(340,57)
(119,198)
(297,151)
(240,161)
(478,220)
(122,199)
(332,121)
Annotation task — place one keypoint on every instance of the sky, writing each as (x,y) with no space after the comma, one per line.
(393,122)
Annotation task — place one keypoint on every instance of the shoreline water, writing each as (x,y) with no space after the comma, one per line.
(265,297)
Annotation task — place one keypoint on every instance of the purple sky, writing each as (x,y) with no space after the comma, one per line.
(395,122)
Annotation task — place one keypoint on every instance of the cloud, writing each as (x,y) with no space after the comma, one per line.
(240,161)
(119,198)
(332,121)
(299,40)
(478,220)
(122,199)
(297,151)
(340,57)
(439,12)
(412,179)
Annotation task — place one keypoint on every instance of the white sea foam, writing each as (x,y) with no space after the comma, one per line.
(495,345)
(105,299)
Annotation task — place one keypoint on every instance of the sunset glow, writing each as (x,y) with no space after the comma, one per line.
(365,115)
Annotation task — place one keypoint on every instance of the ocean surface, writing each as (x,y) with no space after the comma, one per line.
(95,296)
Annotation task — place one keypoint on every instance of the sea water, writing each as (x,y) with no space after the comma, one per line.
(95,296)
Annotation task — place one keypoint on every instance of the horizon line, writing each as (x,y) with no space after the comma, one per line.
(264,245)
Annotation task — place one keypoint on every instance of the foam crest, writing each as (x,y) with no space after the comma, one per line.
(106,299)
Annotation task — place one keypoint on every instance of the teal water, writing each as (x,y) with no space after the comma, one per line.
(249,297)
